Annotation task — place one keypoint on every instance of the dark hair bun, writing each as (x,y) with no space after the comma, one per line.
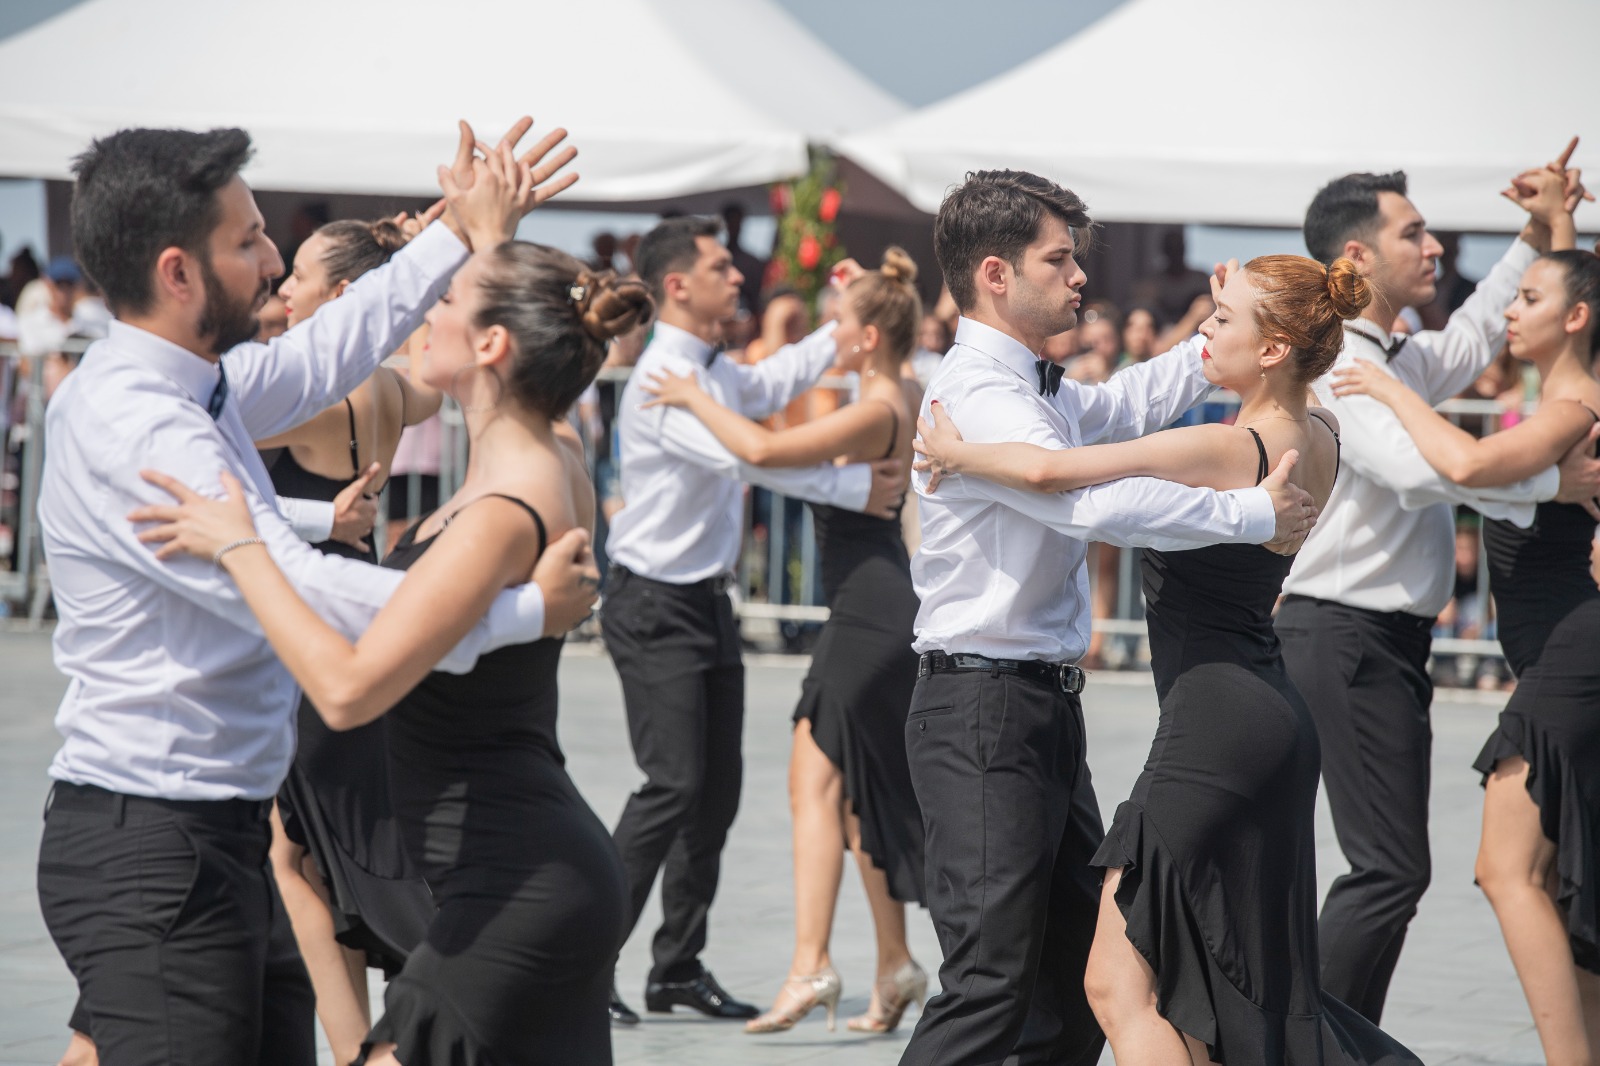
(1349,292)
(898,265)
(609,306)
(386,235)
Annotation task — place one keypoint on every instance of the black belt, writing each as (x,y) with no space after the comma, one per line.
(717,584)
(1065,676)
(69,796)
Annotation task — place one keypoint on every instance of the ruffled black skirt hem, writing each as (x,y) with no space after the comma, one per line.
(1196,996)
(1567,816)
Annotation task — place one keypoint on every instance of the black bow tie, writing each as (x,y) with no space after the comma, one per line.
(219,395)
(1049,377)
(716,350)
(1390,350)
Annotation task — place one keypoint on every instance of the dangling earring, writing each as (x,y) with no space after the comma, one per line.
(855,349)
(1263,373)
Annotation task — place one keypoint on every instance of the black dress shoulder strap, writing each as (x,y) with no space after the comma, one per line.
(1338,445)
(355,456)
(544,539)
(409,537)
(1261,450)
(894,428)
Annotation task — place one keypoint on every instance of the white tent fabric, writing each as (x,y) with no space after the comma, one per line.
(362,95)
(1236,112)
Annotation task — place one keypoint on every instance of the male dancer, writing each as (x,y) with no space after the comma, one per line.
(1357,620)
(995,734)
(668,622)
(178,722)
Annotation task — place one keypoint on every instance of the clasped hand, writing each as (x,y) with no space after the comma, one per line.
(936,435)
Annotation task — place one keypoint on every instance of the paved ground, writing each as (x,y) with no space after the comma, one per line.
(1454,1000)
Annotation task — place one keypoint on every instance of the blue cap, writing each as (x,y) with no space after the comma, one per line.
(63,270)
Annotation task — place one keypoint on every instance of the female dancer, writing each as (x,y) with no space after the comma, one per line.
(1206,946)
(352,897)
(516,965)
(1539,857)
(849,784)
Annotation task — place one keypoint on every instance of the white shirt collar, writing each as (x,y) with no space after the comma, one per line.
(682,342)
(1001,347)
(195,375)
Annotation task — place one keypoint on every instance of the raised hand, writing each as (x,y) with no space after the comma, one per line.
(933,443)
(671,390)
(1293,507)
(489,209)
(355,511)
(537,168)
(567,577)
(196,524)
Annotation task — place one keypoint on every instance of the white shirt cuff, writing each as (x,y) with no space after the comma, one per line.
(311,520)
(1547,484)
(438,247)
(853,487)
(1260,519)
(516,616)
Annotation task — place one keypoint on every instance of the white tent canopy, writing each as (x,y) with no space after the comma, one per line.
(362,96)
(1237,112)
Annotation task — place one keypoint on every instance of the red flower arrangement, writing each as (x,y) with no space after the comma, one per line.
(807,246)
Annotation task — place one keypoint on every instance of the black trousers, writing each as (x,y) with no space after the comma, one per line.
(1364,676)
(166,914)
(676,648)
(1011,823)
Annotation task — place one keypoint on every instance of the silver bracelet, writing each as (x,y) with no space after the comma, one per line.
(216,560)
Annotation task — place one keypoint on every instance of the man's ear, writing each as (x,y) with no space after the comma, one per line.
(177,275)
(994,275)
(675,287)
(1361,254)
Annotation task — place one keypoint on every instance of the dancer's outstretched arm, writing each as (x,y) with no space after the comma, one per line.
(854,429)
(1210,457)
(1527,448)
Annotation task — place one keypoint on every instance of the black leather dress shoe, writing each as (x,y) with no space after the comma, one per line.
(621,1013)
(701,992)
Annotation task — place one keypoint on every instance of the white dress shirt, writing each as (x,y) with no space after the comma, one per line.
(1386,539)
(173,690)
(1000,571)
(311,520)
(683,512)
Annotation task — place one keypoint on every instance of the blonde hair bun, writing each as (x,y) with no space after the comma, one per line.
(898,265)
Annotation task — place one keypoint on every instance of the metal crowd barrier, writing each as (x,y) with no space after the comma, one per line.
(787,576)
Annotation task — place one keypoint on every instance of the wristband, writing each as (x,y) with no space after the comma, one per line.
(216,559)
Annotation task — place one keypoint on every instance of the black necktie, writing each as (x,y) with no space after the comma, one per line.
(1049,377)
(1390,350)
(219,395)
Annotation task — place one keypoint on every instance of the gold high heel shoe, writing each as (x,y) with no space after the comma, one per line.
(895,993)
(805,993)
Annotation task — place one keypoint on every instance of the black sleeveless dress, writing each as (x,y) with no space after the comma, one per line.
(516,966)
(1216,843)
(1549,622)
(858,690)
(335,800)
